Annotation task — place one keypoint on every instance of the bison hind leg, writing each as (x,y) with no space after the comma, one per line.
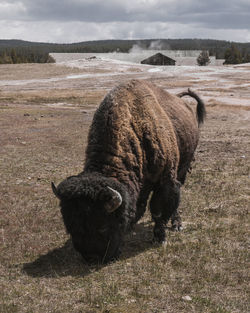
(176,221)
(163,206)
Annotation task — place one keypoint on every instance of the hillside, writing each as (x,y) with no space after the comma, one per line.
(215,47)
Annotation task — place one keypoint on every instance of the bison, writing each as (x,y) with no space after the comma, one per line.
(141,142)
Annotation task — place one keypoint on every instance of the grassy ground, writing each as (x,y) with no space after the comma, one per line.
(202,269)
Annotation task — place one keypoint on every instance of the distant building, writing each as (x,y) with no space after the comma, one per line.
(159,59)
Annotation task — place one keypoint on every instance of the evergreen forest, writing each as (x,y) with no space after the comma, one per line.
(19,51)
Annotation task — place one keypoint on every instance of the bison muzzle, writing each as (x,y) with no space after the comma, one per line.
(141,142)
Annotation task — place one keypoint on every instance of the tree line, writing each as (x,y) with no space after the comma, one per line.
(232,56)
(18,51)
(17,55)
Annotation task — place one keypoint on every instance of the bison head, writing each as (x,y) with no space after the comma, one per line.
(89,208)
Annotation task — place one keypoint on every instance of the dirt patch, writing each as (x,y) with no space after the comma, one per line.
(35,71)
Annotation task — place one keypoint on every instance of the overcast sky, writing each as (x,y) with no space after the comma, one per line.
(81,20)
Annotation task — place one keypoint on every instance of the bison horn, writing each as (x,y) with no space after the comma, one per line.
(115,201)
(54,189)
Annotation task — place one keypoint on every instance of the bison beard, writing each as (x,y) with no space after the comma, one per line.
(142,140)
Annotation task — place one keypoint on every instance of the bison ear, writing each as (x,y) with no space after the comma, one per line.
(116,200)
(54,189)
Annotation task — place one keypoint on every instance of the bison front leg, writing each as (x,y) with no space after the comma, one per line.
(163,205)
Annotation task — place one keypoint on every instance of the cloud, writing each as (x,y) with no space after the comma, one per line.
(225,13)
(11,10)
(113,19)
(80,31)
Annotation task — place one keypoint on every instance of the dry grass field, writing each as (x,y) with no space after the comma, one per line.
(43,131)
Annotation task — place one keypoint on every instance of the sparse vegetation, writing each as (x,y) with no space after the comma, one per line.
(202,269)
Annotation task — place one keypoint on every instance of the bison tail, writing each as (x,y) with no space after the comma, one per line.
(200,110)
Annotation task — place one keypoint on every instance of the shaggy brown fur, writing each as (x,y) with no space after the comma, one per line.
(142,139)
(145,135)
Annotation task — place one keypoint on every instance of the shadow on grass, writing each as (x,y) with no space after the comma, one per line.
(65,261)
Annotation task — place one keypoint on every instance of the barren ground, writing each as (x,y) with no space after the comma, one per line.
(45,113)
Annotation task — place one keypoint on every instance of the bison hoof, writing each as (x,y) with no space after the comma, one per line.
(177,228)
(164,245)
(159,237)
(157,242)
